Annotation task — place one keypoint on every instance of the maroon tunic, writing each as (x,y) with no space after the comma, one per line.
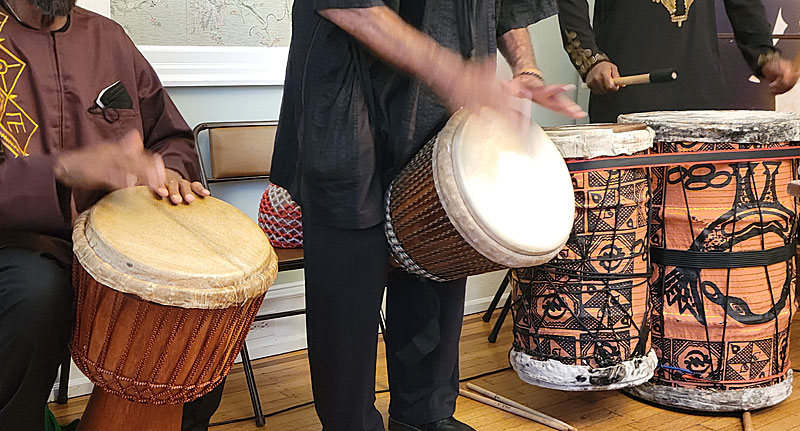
(49,84)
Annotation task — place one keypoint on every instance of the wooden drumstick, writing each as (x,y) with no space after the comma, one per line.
(747,422)
(656,76)
(794,188)
(515,408)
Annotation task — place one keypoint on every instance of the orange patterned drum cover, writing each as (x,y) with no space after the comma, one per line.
(724,241)
(580,321)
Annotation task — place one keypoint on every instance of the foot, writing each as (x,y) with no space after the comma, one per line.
(449,424)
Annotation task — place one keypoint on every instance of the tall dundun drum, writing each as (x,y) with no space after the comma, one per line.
(581,320)
(165,295)
(724,233)
(477,198)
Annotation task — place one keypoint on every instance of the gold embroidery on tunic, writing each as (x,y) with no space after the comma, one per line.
(584,59)
(678,16)
(16,126)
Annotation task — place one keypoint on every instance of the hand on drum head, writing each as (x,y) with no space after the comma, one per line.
(780,74)
(111,166)
(549,96)
(180,190)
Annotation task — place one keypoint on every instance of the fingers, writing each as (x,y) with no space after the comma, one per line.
(781,75)
(199,190)
(150,170)
(174,191)
(552,97)
(186,191)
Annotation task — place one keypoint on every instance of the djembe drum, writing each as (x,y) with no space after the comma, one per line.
(581,320)
(724,234)
(281,218)
(477,198)
(165,295)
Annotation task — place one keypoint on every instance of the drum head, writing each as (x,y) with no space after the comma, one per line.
(740,127)
(517,188)
(204,255)
(600,140)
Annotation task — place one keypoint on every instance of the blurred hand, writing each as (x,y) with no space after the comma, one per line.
(111,166)
(473,85)
(780,74)
(601,78)
(180,190)
(549,96)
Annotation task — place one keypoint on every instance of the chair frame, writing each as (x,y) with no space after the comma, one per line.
(282,266)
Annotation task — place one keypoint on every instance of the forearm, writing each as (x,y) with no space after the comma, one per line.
(396,42)
(752,31)
(517,49)
(578,36)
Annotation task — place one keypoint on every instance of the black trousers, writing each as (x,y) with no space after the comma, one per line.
(35,325)
(345,275)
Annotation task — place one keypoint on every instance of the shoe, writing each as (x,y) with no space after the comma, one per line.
(449,424)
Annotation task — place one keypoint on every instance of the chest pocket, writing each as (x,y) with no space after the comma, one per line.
(113,112)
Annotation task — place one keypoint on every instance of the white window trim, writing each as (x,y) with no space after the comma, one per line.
(209,66)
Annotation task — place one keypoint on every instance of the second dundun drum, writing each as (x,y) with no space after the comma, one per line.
(724,231)
(581,320)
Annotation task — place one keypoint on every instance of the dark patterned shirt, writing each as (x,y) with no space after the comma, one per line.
(640,36)
(349,122)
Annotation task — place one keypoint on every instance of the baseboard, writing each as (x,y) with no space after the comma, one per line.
(279,336)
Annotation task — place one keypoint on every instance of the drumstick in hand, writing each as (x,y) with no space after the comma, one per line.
(656,76)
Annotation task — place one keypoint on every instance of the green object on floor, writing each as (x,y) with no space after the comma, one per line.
(51,424)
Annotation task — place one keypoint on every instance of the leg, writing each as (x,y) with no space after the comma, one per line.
(424,320)
(345,273)
(197,414)
(35,324)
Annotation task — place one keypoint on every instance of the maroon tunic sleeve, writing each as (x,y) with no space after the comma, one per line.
(165,130)
(30,200)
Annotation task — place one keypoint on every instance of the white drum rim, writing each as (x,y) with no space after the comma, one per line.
(587,141)
(469,223)
(732,400)
(204,294)
(553,374)
(719,126)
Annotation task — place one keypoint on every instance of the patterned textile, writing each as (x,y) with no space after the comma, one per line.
(723,327)
(280,218)
(588,306)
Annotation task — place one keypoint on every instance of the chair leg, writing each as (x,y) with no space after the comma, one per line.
(382,324)
(251,386)
(63,381)
(487,316)
(499,324)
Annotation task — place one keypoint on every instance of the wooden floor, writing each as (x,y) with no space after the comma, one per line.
(284,382)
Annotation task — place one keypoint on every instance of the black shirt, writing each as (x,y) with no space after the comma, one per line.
(640,36)
(349,122)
